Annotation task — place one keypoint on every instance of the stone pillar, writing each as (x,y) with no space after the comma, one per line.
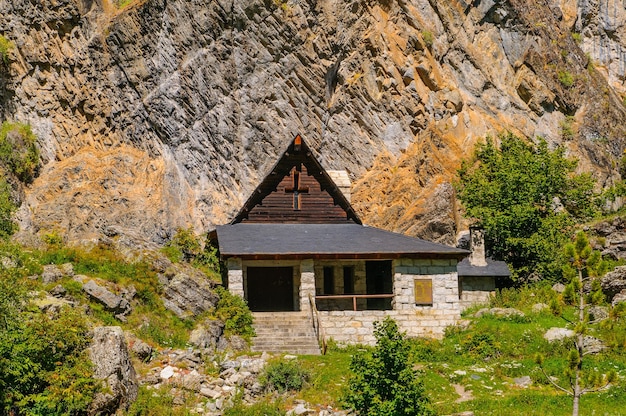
(307,284)
(235,276)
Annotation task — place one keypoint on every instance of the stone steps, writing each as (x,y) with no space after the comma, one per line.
(287,332)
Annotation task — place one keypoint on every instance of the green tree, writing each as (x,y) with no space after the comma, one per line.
(384,383)
(527,197)
(584,266)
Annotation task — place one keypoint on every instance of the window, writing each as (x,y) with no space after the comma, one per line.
(423,291)
(348,279)
(329,280)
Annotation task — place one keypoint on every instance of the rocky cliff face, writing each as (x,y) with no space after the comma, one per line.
(167,113)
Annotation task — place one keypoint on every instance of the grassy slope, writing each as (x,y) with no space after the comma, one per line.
(485,359)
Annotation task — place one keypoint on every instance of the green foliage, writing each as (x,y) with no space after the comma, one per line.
(583,264)
(156,402)
(5,47)
(18,150)
(385,382)
(428,38)
(258,409)
(566,78)
(185,246)
(123,3)
(46,370)
(577,37)
(150,319)
(282,376)
(234,312)
(511,190)
(7,209)
(567,128)
(482,345)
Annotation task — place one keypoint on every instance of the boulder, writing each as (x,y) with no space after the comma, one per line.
(538,307)
(142,350)
(112,364)
(207,334)
(598,313)
(51,273)
(112,302)
(234,342)
(614,282)
(620,297)
(524,381)
(558,287)
(592,345)
(187,291)
(557,334)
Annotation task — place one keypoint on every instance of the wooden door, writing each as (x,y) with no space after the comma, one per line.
(270,289)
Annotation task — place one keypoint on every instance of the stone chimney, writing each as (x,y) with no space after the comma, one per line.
(342,180)
(477,247)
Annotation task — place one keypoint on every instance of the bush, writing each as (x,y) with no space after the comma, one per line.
(428,38)
(385,384)
(566,79)
(185,246)
(5,46)
(282,376)
(18,150)
(234,312)
(257,409)
(7,209)
(45,366)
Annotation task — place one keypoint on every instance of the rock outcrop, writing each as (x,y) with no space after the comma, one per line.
(167,113)
(187,291)
(109,354)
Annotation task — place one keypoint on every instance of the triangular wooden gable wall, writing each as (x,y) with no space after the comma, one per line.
(297,190)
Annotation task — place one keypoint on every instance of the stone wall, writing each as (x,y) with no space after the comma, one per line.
(476,289)
(351,327)
(357,327)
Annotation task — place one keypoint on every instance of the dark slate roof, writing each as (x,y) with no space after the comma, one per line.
(494,268)
(264,241)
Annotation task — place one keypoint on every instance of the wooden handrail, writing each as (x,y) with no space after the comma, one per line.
(317,325)
(354,297)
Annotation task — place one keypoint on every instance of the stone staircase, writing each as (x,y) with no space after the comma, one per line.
(290,332)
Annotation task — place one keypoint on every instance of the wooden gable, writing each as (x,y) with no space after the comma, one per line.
(297,190)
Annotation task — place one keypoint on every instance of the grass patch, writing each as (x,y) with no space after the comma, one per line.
(487,357)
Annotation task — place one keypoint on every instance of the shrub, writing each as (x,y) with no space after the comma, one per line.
(282,376)
(18,150)
(234,312)
(385,384)
(256,409)
(567,128)
(428,38)
(5,46)
(566,78)
(7,209)
(184,246)
(45,367)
